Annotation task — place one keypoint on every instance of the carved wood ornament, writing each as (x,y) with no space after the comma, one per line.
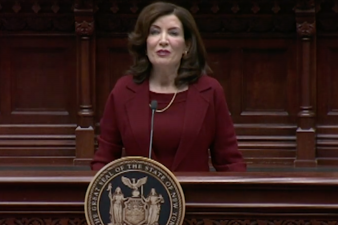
(84,28)
(306,29)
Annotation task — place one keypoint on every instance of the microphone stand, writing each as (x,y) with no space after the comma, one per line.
(153,107)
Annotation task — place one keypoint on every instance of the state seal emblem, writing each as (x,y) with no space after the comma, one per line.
(134,191)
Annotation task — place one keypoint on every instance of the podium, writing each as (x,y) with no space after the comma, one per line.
(262,198)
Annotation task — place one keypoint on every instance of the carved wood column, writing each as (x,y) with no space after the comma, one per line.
(84,26)
(306,132)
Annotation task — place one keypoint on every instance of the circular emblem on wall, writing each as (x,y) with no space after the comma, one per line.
(134,191)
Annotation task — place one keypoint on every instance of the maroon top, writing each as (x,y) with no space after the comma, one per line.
(206,126)
(168,122)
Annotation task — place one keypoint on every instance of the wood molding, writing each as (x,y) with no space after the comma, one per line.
(211,198)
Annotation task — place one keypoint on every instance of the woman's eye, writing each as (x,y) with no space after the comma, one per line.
(152,32)
(174,33)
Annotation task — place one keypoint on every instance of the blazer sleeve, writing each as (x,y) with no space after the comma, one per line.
(224,151)
(110,142)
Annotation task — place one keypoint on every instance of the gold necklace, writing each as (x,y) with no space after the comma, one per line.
(167,107)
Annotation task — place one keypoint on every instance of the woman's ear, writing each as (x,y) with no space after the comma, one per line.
(187,44)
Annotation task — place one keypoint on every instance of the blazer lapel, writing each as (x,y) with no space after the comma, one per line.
(137,109)
(196,108)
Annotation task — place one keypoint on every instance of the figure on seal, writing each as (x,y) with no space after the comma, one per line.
(116,205)
(154,201)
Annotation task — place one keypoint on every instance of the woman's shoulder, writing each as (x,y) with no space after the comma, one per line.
(208,81)
(124,80)
(122,83)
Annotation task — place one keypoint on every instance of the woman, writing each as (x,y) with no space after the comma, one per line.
(192,115)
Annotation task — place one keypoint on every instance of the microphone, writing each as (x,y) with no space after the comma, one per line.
(153,106)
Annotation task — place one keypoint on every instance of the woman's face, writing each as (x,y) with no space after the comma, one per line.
(165,42)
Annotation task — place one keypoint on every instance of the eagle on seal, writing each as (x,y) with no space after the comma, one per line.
(133,184)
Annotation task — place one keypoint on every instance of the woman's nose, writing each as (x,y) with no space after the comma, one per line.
(163,43)
(163,40)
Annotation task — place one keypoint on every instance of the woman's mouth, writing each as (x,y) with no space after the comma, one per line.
(163,52)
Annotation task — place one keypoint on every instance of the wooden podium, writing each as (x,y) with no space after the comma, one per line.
(57,198)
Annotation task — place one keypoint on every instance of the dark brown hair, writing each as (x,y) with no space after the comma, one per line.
(193,64)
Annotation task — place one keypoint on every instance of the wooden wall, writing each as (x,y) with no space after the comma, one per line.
(276,59)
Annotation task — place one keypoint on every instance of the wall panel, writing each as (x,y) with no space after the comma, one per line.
(264,82)
(113,62)
(327,137)
(40,84)
(38,103)
(260,83)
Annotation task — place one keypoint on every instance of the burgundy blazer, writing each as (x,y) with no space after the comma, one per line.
(207,125)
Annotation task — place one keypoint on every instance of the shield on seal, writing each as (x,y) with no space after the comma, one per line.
(134,212)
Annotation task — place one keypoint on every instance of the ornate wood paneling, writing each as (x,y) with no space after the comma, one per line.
(38,82)
(275,59)
(37,16)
